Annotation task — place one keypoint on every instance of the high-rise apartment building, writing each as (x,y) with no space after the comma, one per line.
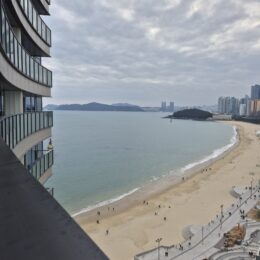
(228,105)
(163,106)
(24,81)
(255,92)
(245,106)
(33,224)
(171,107)
(255,107)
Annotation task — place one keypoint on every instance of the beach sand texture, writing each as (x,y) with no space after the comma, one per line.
(134,226)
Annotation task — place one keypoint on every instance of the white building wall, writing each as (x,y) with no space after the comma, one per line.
(242,109)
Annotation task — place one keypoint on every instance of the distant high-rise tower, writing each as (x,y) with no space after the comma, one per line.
(171,107)
(245,109)
(255,92)
(228,105)
(163,106)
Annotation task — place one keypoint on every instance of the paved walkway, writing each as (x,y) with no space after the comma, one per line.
(202,243)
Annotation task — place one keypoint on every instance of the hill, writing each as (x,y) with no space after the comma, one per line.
(95,107)
(193,113)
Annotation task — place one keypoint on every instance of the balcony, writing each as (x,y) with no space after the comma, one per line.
(32,75)
(42,6)
(38,34)
(15,128)
(41,166)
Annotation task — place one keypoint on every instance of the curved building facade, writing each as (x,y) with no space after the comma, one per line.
(25,40)
(33,224)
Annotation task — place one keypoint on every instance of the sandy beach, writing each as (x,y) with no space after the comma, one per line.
(173,203)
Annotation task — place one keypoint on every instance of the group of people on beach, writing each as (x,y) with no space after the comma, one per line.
(156,213)
(99,215)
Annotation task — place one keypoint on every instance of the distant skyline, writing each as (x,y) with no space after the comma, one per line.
(147,51)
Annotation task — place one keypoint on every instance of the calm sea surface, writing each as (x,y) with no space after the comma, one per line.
(102,155)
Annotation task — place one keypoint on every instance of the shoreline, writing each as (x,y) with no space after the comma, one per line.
(195,201)
(149,189)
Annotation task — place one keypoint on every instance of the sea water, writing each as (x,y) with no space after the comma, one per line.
(104,156)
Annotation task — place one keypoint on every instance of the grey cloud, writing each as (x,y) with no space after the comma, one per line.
(145,51)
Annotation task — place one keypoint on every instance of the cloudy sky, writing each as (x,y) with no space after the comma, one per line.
(146,51)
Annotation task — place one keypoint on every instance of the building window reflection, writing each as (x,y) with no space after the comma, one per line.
(33,155)
(32,103)
(1,103)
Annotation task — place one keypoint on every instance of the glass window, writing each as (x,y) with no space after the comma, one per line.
(33,123)
(40,74)
(43,31)
(24,61)
(26,7)
(12,47)
(16,53)
(27,104)
(1,103)
(25,124)
(35,19)
(22,126)
(22,3)
(3,32)
(39,27)
(37,121)
(7,31)
(32,103)
(19,57)
(39,104)
(48,36)
(27,65)
(30,12)
(32,68)
(36,71)
(44,76)
(18,128)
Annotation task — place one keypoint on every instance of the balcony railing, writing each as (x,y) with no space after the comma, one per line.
(35,20)
(42,165)
(19,57)
(14,129)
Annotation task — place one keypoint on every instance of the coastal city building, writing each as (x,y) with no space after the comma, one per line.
(163,106)
(242,109)
(255,92)
(228,105)
(33,225)
(171,107)
(255,107)
(247,108)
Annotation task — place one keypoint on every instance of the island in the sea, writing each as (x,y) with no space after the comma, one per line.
(94,106)
(193,113)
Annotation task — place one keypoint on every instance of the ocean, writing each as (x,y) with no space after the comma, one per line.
(103,156)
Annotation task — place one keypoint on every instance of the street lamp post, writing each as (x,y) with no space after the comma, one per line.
(202,234)
(221,214)
(158,240)
(251,192)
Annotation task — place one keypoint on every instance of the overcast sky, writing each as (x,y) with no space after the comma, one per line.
(146,51)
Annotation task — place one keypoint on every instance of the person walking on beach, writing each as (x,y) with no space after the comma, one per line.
(107,232)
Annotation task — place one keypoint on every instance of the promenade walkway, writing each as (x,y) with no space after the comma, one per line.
(202,244)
